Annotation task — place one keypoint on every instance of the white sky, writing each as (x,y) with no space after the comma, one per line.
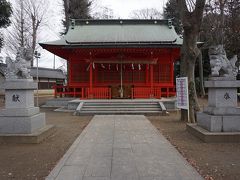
(121,9)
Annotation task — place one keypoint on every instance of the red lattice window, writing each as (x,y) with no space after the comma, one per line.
(79,72)
(164,73)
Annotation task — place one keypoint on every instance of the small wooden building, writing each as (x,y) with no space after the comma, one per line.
(47,78)
(118,58)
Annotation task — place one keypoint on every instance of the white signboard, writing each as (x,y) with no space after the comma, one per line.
(182,93)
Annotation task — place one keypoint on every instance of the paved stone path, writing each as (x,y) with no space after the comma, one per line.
(122,147)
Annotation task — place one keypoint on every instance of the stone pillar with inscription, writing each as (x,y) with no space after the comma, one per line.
(222,113)
(20,120)
(20,116)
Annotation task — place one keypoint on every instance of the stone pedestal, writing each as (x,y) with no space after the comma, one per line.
(20,117)
(222,113)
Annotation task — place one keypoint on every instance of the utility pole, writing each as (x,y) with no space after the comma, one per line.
(37,56)
(54,61)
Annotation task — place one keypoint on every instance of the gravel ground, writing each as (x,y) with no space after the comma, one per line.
(34,161)
(219,161)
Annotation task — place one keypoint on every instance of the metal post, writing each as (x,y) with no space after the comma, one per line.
(54,61)
(37,56)
(37,81)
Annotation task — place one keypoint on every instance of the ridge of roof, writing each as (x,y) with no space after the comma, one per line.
(119,21)
(48,69)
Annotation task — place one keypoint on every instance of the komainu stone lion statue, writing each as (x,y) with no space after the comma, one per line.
(220,65)
(19,69)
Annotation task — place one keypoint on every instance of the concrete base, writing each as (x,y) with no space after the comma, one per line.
(33,138)
(213,137)
(19,112)
(57,102)
(210,122)
(21,124)
(215,123)
(231,123)
(222,110)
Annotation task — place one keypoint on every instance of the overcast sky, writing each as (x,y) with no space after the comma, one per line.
(121,9)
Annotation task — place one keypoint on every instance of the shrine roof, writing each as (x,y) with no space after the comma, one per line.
(118,32)
(47,73)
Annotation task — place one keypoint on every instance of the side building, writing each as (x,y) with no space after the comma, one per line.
(47,78)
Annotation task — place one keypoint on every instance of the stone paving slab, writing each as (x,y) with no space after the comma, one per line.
(122,147)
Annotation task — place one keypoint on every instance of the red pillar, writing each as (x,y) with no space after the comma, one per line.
(69,72)
(95,75)
(172,67)
(172,72)
(151,79)
(147,73)
(91,80)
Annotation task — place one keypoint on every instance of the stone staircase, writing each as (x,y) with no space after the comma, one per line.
(120,107)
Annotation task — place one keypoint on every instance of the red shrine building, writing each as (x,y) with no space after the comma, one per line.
(110,59)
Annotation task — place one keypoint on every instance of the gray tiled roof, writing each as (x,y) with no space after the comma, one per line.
(119,32)
(47,73)
(42,72)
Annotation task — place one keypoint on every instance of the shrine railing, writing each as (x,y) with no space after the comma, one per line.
(99,93)
(155,92)
(105,92)
(82,92)
(69,91)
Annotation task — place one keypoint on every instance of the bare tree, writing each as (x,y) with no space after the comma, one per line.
(147,13)
(17,34)
(35,10)
(191,13)
(103,13)
(28,17)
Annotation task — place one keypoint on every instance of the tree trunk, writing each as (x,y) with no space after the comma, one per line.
(34,37)
(200,65)
(189,55)
(191,21)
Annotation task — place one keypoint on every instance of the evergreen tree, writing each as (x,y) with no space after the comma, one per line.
(5,13)
(171,11)
(76,9)
(232,29)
